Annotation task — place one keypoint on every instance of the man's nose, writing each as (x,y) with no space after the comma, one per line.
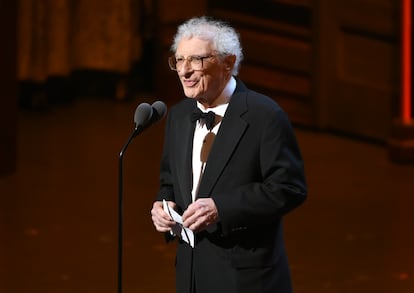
(186,66)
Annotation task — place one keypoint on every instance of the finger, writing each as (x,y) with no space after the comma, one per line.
(201,220)
(188,222)
(162,229)
(161,220)
(172,204)
(162,226)
(189,212)
(158,211)
(201,223)
(197,220)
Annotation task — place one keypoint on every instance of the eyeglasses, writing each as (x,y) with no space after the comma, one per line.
(196,62)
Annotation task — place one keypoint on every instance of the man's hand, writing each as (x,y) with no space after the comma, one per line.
(161,220)
(200,214)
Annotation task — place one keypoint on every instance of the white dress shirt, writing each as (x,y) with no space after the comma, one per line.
(201,131)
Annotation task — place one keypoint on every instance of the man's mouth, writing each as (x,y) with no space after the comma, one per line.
(189,83)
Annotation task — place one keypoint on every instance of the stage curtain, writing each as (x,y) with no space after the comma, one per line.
(58,37)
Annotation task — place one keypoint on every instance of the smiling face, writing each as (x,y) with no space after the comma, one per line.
(206,84)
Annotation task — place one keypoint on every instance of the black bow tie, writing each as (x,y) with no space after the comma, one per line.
(208,118)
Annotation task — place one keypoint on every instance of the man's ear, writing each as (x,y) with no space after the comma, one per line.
(229,61)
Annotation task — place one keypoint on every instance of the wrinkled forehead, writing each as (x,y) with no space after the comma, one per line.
(194,45)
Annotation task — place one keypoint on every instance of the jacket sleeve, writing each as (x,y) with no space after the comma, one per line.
(279,188)
(166,185)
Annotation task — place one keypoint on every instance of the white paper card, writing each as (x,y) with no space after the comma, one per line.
(186,234)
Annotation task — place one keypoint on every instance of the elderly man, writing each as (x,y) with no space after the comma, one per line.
(231,167)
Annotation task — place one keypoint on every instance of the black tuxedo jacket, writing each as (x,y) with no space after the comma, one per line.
(255,175)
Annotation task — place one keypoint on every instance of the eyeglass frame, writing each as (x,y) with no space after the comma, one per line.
(190,59)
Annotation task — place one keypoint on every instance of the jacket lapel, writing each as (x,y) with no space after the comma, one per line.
(231,130)
(184,143)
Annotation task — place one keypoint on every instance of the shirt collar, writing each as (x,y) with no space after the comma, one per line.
(227,92)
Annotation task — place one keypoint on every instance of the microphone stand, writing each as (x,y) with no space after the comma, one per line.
(144,117)
(121,205)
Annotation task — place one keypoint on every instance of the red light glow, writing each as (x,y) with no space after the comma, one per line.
(406,61)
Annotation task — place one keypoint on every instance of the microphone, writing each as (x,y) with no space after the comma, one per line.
(159,110)
(142,114)
(146,115)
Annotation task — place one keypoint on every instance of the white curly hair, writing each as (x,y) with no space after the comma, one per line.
(224,37)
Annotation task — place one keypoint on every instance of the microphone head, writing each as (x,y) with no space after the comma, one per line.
(160,109)
(143,114)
